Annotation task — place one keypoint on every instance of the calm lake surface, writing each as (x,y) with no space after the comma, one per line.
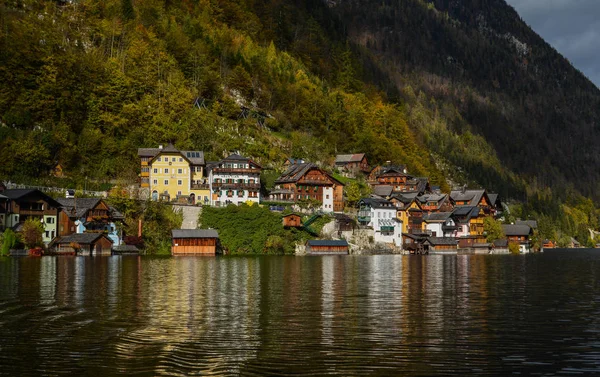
(335,315)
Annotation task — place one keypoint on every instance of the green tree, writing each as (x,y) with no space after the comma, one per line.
(32,233)
(8,240)
(353,193)
(493,229)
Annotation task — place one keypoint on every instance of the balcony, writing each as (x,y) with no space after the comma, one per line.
(200,186)
(236,171)
(236,186)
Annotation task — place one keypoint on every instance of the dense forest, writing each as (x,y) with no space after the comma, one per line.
(446,89)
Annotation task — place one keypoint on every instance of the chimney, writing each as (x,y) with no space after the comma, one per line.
(140,228)
(160,146)
(464,189)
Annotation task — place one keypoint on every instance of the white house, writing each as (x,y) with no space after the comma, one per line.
(234,180)
(441,224)
(380,215)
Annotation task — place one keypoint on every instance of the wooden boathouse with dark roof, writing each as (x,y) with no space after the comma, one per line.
(327,247)
(85,244)
(194,242)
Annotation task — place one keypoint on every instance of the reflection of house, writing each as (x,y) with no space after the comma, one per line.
(84,244)
(308,182)
(352,163)
(194,241)
(518,234)
(169,173)
(234,180)
(23,204)
(292,220)
(3,210)
(380,215)
(81,215)
(548,244)
(327,247)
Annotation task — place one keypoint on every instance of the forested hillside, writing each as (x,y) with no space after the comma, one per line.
(462,92)
(540,114)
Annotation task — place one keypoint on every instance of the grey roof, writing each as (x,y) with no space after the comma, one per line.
(78,207)
(235,156)
(437,217)
(383,190)
(170,148)
(295,172)
(442,241)
(516,230)
(195,157)
(493,198)
(17,194)
(473,196)
(468,211)
(148,152)
(401,169)
(377,203)
(2,197)
(82,238)
(341,159)
(432,198)
(327,243)
(532,223)
(194,233)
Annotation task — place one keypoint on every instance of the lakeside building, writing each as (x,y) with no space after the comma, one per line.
(234,180)
(171,174)
(22,204)
(85,244)
(519,234)
(194,241)
(441,224)
(327,247)
(89,215)
(308,182)
(380,215)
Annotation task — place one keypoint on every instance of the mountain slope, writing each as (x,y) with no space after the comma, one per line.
(540,114)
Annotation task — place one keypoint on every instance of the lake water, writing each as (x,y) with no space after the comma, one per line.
(336,315)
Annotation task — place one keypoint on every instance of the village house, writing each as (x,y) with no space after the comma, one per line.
(469,220)
(409,212)
(194,241)
(234,180)
(436,203)
(84,215)
(519,234)
(307,182)
(379,169)
(84,244)
(433,245)
(352,164)
(171,174)
(380,215)
(23,204)
(440,224)
(479,198)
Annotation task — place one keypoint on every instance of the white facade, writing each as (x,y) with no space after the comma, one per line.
(327,199)
(382,218)
(235,180)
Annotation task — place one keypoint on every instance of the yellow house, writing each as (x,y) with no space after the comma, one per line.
(170,174)
(409,212)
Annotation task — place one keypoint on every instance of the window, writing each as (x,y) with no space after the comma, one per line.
(166,182)
(155,181)
(179,183)
(179,171)
(155,171)
(327,196)
(158,159)
(47,234)
(180,159)
(179,193)
(49,220)
(166,170)
(173,159)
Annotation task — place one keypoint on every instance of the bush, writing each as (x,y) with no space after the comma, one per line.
(8,240)
(514,248)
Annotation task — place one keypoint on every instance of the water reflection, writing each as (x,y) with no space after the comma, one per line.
(338,315)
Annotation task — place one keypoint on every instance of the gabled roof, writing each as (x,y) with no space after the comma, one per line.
(383,190)
(467,212)
(291,214)
(532,223)
(195,157)
(493,198)
(437,217)
(82,238)
(79,205)
(472,196)
(327,243)
(234,157)
(194,233)
(342,159)
(377,203)
(516,230)
(442,241)
(19,194)
(295,172)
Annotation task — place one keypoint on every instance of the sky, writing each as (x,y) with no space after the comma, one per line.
(572,27)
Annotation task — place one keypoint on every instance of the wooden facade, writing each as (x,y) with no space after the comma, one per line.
(327,247)
(194,242)
(85,244)
(292,220)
